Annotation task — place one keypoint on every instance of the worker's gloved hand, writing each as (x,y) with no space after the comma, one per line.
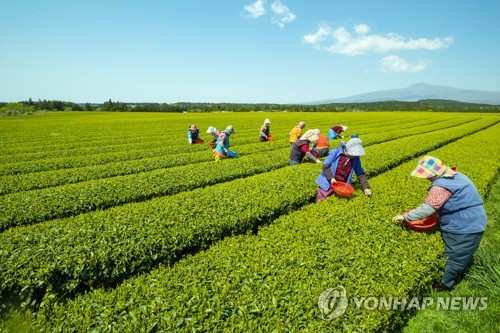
(367,192)
(397,219)
(190,141)
(333,181)
(342,136)
(318,161)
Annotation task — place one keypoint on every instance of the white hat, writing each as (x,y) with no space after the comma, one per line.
(316,131)
(354,147)
(211,129)
(309,135)
(267,121)
(230,129)
(344,128)
(302,124)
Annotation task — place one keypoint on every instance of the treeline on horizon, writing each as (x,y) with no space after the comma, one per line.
(436,105)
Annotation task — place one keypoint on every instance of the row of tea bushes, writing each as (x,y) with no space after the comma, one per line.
(49,203)
(38,180)
(272,282)
(392,153)
(40,205)
(413,129)
(79,149)
(135,153)
(76,142)
(62,257)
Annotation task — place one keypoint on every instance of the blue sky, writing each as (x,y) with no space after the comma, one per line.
(264,51)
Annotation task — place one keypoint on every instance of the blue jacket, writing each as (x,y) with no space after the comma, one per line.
(332,160)
(331,134)
(193,134)
(222,145)
(463,212)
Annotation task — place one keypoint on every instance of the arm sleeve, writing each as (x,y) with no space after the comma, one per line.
(437,197)
(311,156)
(421,212)
(358,169)
(327,171)
(364,181)
(304,148)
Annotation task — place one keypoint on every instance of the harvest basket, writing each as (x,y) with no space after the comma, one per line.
(342,189)
(198,141)
(270,137)
(423,224)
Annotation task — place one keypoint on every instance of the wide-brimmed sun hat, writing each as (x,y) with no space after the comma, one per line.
(302,124)
(354,147)
(430,166)
(211,129)
(267,121)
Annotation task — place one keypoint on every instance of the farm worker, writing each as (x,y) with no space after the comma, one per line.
(301,148)
(340,164)
(194,135)
(215,132)
(265,131)
(222,147)
(462,216)
(296,132)
(321,146)
(334,132)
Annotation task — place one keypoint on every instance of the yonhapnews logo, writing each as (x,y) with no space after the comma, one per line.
(333,303)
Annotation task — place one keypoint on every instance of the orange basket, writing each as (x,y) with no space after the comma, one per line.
(198,141)
(213,144)
(423,224)
(270,137)
(342,189)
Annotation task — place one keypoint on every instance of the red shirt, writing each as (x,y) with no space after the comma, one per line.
(343,168)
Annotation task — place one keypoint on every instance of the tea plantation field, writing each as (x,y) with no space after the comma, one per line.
(112,222)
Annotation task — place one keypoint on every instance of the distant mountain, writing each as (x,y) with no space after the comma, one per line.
(422,91)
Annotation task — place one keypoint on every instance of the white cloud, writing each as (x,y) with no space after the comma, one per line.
(256,9)
(341,41)
(282,14)
(320,35)
(362,29)
(394,63)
